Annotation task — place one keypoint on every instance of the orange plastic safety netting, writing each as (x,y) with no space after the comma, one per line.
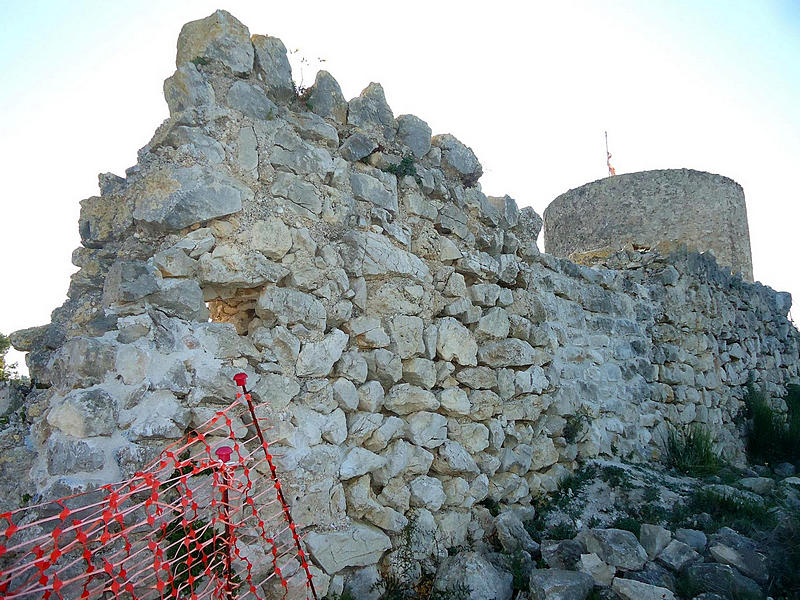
(206,519)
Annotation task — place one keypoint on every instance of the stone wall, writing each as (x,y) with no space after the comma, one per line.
(419,354)
(703,211)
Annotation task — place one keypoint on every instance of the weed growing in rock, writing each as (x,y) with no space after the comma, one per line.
(200,61)
(691,451)
(772,437)
(628,524)
(576,425)
(738,513)
(616,477)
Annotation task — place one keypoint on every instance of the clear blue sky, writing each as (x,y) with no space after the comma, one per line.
(711,85)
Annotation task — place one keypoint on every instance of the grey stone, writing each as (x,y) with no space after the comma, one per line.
(404,399)
(220,37)
(374,190)
(676,555)
(251,101)
(473,571)
(427,492)
(128,281)
(378,257)
(729,547)
(630,589)
(616,547)
(721,579)
(230,266)
(453,459)
(455,342)
(414,133)
(507,353)
(784,469)
(247,149)
(178,197)
(299,192)
(357,146)
(693,538)
(67,456)
(512,534)
(193,141)
(316,359)
(654,539)
(654,574)
(370,112)
(357,546)
(187,89)
(556,584)
(325,98)
(271,237)
(287,306)
(359,461)
(273,68)
(602,573)
(180,298)
(458,158)
(420,372)
(759,485)
(426,429)
(84,413)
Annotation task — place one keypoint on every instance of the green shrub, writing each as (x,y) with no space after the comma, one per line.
(741,514)
(404,167)
(691,451)
(628,524)
(773,438)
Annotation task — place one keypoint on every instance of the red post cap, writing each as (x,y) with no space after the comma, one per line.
(224,453)
(240,379)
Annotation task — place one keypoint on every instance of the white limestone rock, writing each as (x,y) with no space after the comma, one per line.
(316,359)
(357,546)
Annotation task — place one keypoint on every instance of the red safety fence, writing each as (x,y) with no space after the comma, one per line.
(206,519)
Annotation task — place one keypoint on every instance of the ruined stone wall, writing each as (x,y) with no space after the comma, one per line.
(419,354)
(703,211)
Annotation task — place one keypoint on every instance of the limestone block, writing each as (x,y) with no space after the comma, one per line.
(302,195)
(405,398)
(555,584)
(407,334)
(455,342)
(220,37)
(187,89)
(453,459)
(356,147)
(458,159)
(403,458)
(426,429)
(630,589)
(84,413)
(316,359)
(287,307)
(357,546)
(272,67)
(177,197)
(271,237)
(420,372)
(325,98)
(510,352)
(414,133)
(370,112)
(472,570)
(427,492)
(616,547)
(359,461)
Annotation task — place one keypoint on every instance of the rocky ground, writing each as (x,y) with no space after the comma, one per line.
(617,531)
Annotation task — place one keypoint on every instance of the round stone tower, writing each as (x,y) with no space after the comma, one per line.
(702,210)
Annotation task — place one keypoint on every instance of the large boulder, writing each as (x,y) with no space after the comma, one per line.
(176,197)
(555,584)
(471,571)
(357,546)
(616,547)
(220,37)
